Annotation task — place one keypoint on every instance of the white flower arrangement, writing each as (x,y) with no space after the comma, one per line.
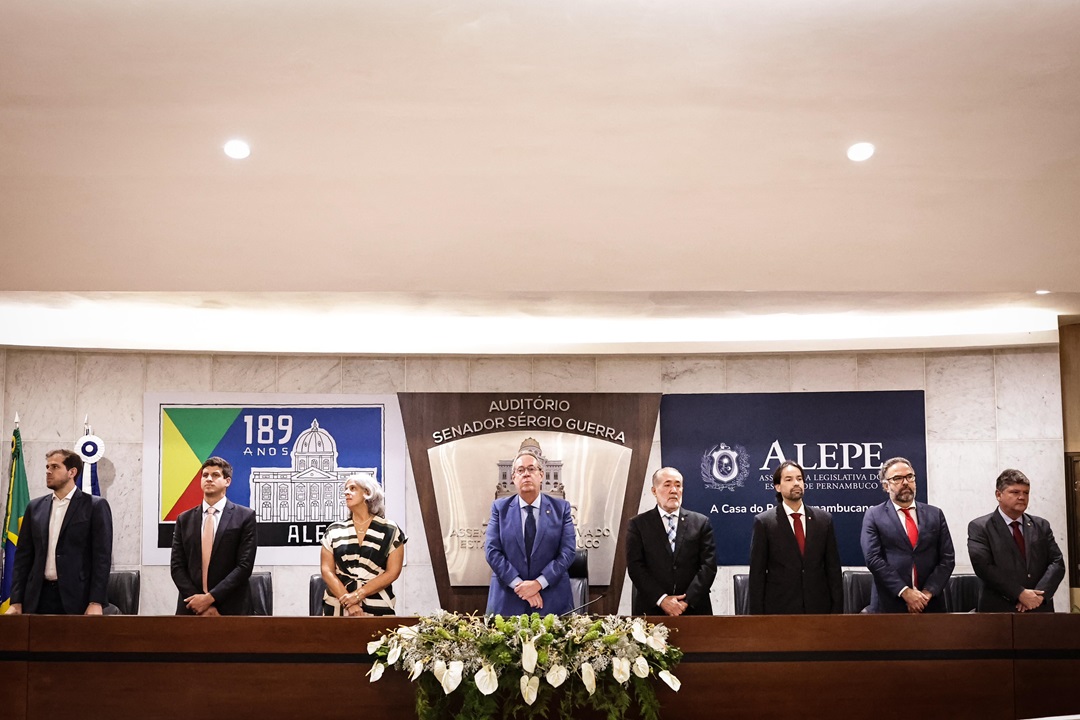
(477,666)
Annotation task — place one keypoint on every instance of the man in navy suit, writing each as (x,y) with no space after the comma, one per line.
(794,559)
(529,545)
(670,553)
(907,547)
(213,550)
(64,555)
(1014,553)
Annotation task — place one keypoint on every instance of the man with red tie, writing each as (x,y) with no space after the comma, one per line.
(213,550)
(1014,553)
(794,559)
(907,547)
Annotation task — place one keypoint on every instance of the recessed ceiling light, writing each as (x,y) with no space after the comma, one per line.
(237,149)
(860,151)
(1042,292)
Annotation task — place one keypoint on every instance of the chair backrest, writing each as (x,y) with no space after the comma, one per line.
(962,593)
(857,585)
(123,591)
(316,588)
(742,593)
(579,579)
(262,593)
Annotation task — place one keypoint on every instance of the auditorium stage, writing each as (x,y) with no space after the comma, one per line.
(843,666)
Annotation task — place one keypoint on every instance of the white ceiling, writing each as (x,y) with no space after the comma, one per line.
(543,160)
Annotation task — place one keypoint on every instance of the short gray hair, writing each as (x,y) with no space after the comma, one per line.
(673,471)
(373,493)
(889,463)
(1011,477)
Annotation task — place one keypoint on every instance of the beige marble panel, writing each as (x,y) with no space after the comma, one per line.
(693,374)
(960,396)
(179,373)
(564,374)
(34,458)
(361,375)
(244,373)
(497,374)
(3,413)
(291,584)
(628,374)
(416,590)
(120,478)
(110,395)
(723,589)
(436,374)
(1042,462)
(822,373)
(318,374)
(1028,393)
(758,373)
(40,386)
(157,593)
(416,550)
(891,371)
(960,481)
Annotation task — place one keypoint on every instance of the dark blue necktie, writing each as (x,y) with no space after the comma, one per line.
(530,530)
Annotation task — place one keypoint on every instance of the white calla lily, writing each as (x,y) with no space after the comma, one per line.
(528,656)
(657,643)
(530,684)
(417,668)
(556,676)
(375,645)
(588,677)
(487,680)
(637,631)
(439,669)
(376,671)
(641,667)
(620,668)
(452,677)
(672,682)
(394,654)
(407,632)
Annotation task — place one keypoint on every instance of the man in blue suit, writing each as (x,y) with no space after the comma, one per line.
(530,545)
(907,547)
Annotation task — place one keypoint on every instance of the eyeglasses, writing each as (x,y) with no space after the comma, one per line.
(901,479)
(524,470)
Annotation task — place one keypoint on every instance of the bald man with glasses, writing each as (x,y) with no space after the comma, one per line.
(530,545)
(907,547)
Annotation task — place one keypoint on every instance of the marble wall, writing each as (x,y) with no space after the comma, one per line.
(986,409)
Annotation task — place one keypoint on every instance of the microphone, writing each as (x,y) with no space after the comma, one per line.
(579,608)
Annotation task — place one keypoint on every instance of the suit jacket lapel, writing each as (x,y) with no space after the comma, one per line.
(517,532)
(543,522)
(1005,536)
(75,506)
(227,518)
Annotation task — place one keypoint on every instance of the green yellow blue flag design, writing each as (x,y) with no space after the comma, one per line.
(17,499)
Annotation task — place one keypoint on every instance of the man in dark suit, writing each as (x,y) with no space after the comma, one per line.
(907,547)
(1014,553)
(794,559)
(213,550)
(670,553)
(64,555)
(530,544)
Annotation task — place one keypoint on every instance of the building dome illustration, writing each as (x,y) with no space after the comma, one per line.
(314,448)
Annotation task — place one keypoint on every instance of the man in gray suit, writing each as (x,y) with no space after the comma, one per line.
(1014,553)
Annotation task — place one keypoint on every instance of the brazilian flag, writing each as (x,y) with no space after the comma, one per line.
(17,499)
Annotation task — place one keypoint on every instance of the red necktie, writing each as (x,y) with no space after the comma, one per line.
(799,536)
(1019,538)
(913,537)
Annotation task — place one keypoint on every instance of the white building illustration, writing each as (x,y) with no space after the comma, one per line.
(310,490)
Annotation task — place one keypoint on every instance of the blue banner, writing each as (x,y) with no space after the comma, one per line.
(727,446)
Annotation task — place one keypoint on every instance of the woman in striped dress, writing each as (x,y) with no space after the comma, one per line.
(361,556)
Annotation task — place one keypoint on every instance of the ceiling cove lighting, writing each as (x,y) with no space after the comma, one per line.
(237,149)
(1042,292)
(860,151)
